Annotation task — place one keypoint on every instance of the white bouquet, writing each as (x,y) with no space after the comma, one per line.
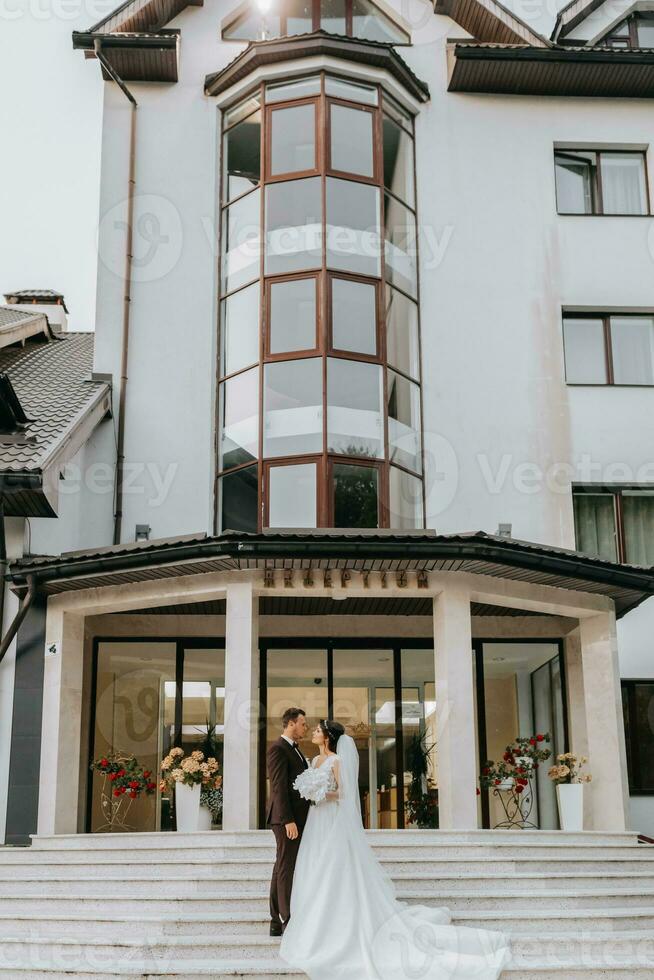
(312,785)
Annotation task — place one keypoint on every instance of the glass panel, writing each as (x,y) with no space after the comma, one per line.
(293,407)
(293,225)
(353,227)
(332,16)
(645,26)
(402,346)
(585,359)
(354,408)
(370,23)
(254,26)
(595,530)
(203,702)
(632,349)
(283,91)
(404,422)
(419,732)
(405,502)
(356,495)
(134,715)
(644,735)
(293,139)
(293,315)
(239,332)
(241,110)
(622,30)
(292,496)
(242,157)
(350,90)
(638,514)
(398,161)
(354,316)
(397,112)
(351,140)
(241,242)
(575,180)
(239,414)
(400,246)
(299,16)
(623,183)
(239,500)
(547,705)
(364,701)
(296,679)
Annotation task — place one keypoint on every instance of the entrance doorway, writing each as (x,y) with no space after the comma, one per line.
(383,692)
(150,695)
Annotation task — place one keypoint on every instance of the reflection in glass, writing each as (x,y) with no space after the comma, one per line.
(283,91)
(299,16)
(351,91)
(293,315)
(293,139)
(420,734)
(400,246)
(332,16)
(239,330)
(239,500)
(370,23)
(404,422)
(351,133)
(638,514)
(242,157)
(239,413)
(241,242)
(356,495)
(296,677)
(353,227)
(293,225)
(241,110)
(575,182)
(254,26)
(402,347)
(398,161)
(292,500)
(203,701)
(354,316)
(585,357)
(632,350)
(354,408)
(292,408)
(405,500)
(397,112)
(595,525)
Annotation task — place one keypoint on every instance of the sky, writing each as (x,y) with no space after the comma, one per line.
(50,122)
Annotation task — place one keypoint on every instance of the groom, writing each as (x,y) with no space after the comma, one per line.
(287,813)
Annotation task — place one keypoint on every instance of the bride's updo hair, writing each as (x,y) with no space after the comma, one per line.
(332,730)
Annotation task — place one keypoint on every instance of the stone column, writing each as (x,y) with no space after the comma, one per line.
(609,790)
(240,781)
(455,707)
(61,732)
(574,675)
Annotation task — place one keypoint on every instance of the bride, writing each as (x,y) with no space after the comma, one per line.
(346,923)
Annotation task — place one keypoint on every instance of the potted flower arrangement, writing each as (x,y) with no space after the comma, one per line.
(422,800)
(123,781)
(513,775)
(569,782)
(188,774)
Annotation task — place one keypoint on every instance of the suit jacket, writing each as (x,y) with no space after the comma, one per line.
(286,805)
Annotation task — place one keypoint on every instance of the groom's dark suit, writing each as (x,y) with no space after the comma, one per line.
(285,763)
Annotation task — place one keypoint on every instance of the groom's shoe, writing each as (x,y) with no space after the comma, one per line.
(276,928)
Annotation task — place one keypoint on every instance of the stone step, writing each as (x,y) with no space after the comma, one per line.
(406,838)
(212,900)
(256,884)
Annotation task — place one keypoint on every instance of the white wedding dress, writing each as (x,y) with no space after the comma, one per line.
(346,923)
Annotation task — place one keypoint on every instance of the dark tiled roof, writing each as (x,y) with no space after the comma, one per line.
(49,379)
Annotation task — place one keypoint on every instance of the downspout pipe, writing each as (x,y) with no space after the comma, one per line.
(23,609)
(127,297)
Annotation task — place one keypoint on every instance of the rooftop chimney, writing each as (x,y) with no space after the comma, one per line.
(46,301)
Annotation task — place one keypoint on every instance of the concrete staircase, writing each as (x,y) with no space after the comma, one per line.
(191,906)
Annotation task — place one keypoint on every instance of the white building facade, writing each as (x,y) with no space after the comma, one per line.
(382,404)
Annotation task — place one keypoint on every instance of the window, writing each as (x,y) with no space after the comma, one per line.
(609,350)
(636,31)
(638,711)
(601,182)
(319,397)
(353,18)
(617,525)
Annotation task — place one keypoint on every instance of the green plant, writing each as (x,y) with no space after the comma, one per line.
(421,803)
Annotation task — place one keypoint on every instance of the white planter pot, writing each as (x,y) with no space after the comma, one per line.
(187,807)
(204,820)
(571,806)
(506,784)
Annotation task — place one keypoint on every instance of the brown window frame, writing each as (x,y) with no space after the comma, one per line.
(596,188)
(318,348)
(629,41)
(608,348)
(334,459)
(270,110)
(633,735)
(377,158)
(618,511)
(380,341)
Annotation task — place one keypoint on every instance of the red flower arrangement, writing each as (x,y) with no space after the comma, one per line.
(124,780)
